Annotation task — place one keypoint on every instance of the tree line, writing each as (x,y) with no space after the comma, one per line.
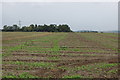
(89,31)
(38,28)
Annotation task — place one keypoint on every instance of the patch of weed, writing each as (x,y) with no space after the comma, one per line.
(74,76)
(23,75)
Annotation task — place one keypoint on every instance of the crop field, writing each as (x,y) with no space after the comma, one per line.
(59,55)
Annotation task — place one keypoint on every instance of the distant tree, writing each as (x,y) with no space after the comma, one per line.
(53,28)
(64,28)
(15,27)
(5,28)
(10,28)
(31,27)
(35,27)
(38,28)
(24,29)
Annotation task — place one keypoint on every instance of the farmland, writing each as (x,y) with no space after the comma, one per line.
(59,55)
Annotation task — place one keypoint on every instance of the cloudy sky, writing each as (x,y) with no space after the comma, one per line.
(78,15)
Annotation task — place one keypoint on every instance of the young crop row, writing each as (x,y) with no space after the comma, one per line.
(59,55)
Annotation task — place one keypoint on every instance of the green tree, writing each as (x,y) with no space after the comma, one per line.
(31,27)
(16,28)
(39,28)
(64,28)
(5,28)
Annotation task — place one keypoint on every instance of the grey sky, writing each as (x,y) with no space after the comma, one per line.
(78,15)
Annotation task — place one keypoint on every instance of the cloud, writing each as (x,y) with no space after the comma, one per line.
(60,0)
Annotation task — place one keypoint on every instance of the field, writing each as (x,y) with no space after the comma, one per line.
(59,55)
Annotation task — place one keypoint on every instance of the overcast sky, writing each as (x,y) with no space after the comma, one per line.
(78,15)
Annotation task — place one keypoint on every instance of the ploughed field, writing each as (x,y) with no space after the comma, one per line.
(59,55)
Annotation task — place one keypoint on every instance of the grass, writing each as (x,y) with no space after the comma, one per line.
(113,71)
(74,76)
(63,67)
(5,54)
(53,58)
(63,47)
(32,64)
(101,40)
(56,46)
(51,44)
(23,75)
(96,66)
